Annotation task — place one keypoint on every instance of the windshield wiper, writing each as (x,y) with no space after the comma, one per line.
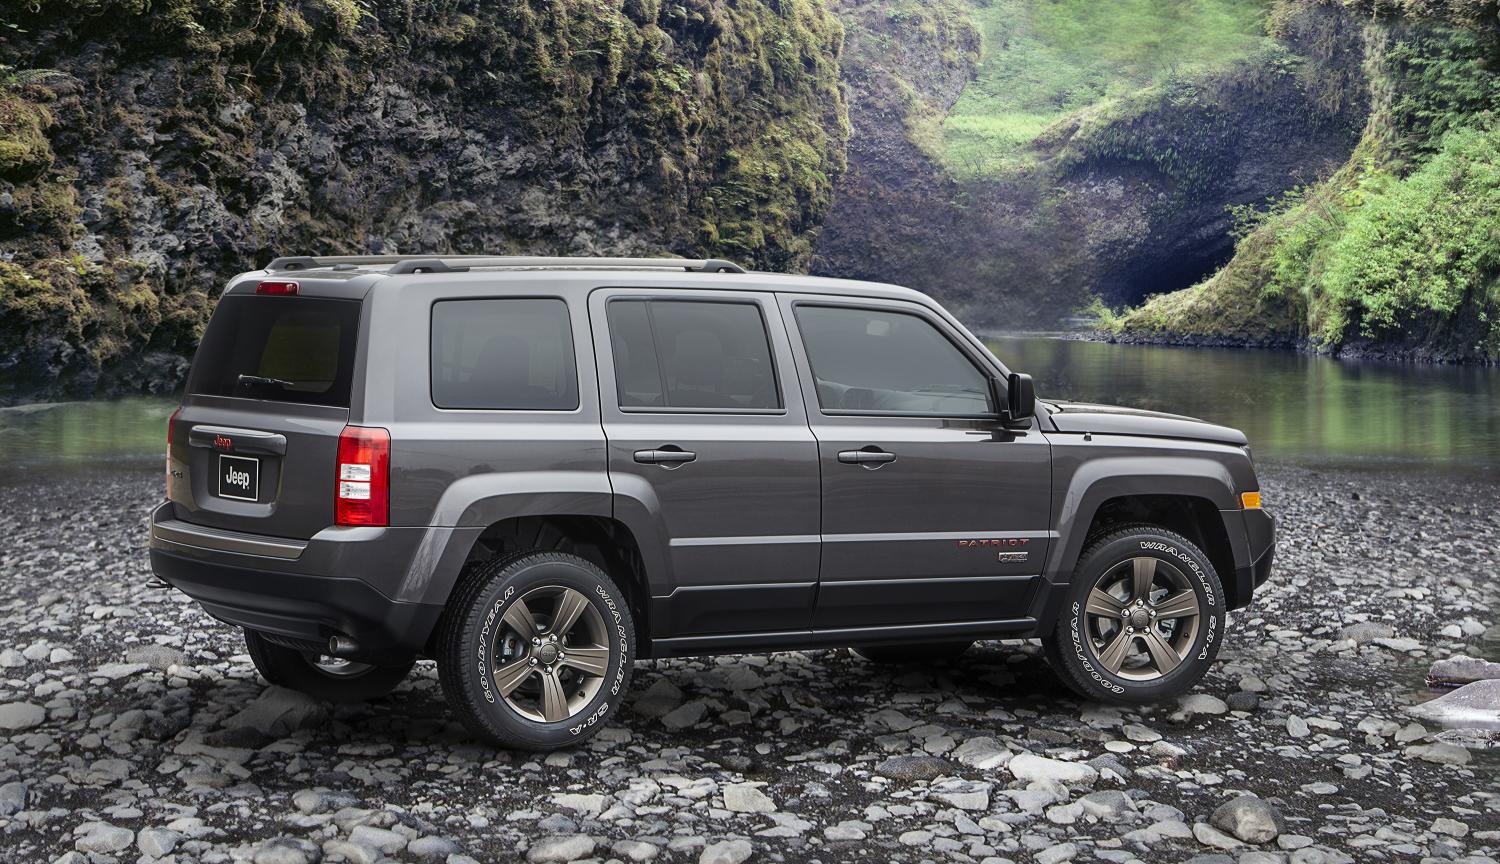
(265,381)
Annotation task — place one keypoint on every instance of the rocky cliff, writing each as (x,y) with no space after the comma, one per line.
(147,150)
(1396,254)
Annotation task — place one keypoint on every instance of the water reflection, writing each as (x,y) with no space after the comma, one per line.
(1294,407)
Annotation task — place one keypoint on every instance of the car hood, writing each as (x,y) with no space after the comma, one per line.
(1114,420)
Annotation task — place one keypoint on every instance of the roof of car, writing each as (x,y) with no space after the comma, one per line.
(666,273)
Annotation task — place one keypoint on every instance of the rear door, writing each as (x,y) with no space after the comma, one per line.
(932,512)
(254,446)
(708,434)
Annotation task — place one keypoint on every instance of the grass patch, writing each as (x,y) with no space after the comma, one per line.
(1044,60)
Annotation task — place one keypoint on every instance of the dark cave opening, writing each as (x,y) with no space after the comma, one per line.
(1167,267)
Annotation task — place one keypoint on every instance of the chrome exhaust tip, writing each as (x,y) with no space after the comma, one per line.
(341,646)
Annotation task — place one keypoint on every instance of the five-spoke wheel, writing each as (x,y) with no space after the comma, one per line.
(554,640)
(552,655)
(1144,617)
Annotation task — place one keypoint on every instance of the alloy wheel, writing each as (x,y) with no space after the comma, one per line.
(549,658)
(1142,618)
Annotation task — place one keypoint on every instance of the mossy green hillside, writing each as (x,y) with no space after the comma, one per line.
(1044,62)
(1399,251)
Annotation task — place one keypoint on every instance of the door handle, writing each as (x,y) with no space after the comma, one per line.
(866,457)
(673,457)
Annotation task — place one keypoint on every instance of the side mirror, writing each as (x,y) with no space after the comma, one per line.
(1020,398)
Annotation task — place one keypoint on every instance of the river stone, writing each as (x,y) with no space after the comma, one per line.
(102,838)
(658,699)
(1208,835)
(747,798)
(12,798)
(15,716)
(1440,752)
(291,850)
(913,768)
(634,850)
(1202,703)
(278,712)
(160,657)
(557,850)
(157,842)
(1366,631)
(1459,669)
(1472,706)
(1248,818)
(963,794)
(1111,805)
(981,752)
(726,852)
(1031,767)
(431,848)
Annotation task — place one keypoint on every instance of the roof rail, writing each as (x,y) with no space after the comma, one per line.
(401,264)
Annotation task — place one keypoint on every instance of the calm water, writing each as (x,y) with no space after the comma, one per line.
(1294,408)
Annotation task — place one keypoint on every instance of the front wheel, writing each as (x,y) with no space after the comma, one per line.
(321,676)
(535,650)
(1143,617)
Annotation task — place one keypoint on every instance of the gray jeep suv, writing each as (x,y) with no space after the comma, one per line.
(536,471)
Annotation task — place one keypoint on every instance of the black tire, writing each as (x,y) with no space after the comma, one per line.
(1077,650)
(925,652)
(288,667)
(476,640)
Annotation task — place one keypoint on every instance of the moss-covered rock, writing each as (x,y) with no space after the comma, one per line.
(195,138)
(1396,253)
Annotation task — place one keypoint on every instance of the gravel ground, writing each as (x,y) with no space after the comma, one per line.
(134,727)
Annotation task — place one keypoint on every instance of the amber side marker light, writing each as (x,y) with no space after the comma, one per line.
(1250,500)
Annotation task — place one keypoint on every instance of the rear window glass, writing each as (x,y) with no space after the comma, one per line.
(285,349)
(504,353)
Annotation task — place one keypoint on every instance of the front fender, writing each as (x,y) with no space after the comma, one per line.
(1089,482)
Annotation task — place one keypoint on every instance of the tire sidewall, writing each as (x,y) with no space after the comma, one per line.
(484,620)
(1078,651)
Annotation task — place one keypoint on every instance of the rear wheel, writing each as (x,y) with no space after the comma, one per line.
(535,650)
(319,675)
(1143,619)
(925,652)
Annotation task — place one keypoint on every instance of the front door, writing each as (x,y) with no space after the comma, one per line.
(707,432)
(932,512)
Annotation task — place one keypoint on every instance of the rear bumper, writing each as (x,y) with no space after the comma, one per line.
(268,585)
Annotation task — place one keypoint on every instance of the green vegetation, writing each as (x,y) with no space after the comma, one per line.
(182,141)
(1400,249)
(1045,60)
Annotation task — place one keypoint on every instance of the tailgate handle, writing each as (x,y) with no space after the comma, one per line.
(239,440)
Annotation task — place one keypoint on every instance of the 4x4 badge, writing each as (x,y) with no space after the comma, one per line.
(1013,556)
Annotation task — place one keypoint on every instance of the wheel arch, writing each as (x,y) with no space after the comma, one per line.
(1192,496)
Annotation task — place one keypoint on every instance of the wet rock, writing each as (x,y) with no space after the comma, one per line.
(1440,753)
(102,838)
(981,752)
(432,848)
(1366,631)
(12,798)
(684,715)
(559,850)
(726,852)
(1247,818)
(1109,806)
(1202,703)
(747,798)
(161,657)
(1211,836)
(278,712)
(1472,706)
(1030,767)
(157,842)
(658,699)
(293,850)
(911,769)
(634,850)
(1242,701)
(1459,670)
(16,716)
(962,794)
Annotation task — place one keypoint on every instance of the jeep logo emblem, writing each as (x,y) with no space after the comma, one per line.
(223,442)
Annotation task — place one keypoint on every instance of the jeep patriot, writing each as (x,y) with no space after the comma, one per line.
(535,471)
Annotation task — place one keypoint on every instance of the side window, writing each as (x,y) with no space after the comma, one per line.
(692,354)
(883,362)
(503,353)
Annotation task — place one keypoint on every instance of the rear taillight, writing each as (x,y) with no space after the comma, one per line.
(282,288)
(171,425)
(361,492)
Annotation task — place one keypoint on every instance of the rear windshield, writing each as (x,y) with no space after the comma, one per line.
(286,349)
